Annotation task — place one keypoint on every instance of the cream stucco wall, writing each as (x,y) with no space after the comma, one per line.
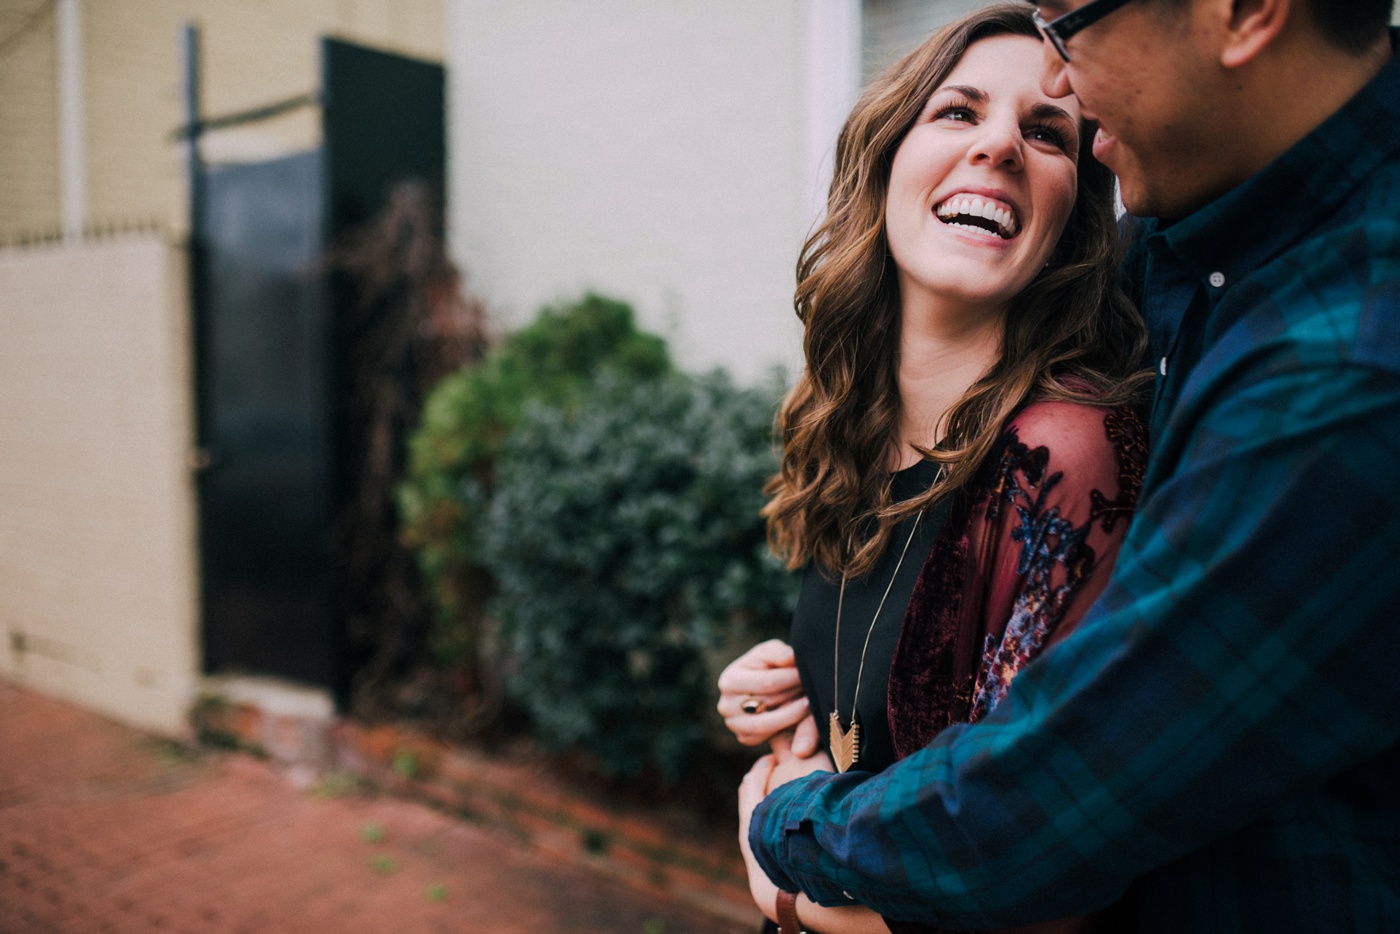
(255,52)
(98,594)
(659,152)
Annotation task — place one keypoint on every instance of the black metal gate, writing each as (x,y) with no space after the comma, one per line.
(264,497)
(268,352)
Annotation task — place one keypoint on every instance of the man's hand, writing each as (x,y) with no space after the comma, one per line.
(751,791)
(765,681)
(768,773)
(787,764)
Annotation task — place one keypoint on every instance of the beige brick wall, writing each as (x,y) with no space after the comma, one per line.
(28,121)
(98,595)
(98,550)
(255,52)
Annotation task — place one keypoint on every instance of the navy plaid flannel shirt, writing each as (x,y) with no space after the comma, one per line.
(1222,732)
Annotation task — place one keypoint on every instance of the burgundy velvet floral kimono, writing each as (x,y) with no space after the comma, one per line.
(1021,558)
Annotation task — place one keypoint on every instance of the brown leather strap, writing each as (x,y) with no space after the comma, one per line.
(787,913)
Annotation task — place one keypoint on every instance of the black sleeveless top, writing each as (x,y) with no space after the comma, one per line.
(814,625)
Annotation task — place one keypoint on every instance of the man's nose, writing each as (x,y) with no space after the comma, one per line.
(1054,77)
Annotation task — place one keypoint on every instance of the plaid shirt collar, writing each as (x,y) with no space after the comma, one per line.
(1292,197)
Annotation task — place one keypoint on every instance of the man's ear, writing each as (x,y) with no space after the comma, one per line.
(1251,25)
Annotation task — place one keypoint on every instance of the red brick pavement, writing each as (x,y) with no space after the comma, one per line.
(103,829)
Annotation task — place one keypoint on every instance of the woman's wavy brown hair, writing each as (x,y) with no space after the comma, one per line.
(1070,335)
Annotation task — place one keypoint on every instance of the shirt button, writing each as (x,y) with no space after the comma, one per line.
(1217,279)
(1162,366)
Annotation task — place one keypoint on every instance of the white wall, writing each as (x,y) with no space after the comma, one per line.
(98,593)
(658,152)
(893,27)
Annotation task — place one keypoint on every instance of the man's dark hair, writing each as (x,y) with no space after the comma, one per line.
(1351,25)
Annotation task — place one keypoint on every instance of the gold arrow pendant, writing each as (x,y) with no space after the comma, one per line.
(845,744)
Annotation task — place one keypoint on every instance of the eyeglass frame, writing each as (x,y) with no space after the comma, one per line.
(1059,30)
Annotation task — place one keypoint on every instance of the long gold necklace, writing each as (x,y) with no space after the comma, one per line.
(845,744)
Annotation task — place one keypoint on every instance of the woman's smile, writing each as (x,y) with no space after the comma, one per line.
(982,184)
(984,212)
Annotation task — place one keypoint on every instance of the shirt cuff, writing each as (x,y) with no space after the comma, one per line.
(784,841)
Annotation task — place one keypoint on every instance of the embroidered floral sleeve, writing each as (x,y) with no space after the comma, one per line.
(1022,556)
(1054,518)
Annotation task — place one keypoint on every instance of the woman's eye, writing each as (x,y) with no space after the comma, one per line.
(954,113)
(1048,134)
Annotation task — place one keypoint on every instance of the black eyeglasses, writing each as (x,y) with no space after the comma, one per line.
(1061,28)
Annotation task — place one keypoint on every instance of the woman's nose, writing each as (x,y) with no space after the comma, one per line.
(1000,143)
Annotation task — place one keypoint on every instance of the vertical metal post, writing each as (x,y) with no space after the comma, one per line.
(196,256)
(189,49)
(196,248)
(72,118)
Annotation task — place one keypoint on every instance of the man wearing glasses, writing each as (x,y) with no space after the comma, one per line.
(1221,735)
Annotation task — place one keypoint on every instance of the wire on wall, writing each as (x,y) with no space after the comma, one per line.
(32,22)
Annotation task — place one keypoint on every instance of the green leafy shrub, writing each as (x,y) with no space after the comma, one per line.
(625,539)
(452,456)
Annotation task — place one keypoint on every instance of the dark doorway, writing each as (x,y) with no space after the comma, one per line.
(264,497)
(269,352)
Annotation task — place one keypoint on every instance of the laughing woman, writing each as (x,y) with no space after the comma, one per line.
(960,457)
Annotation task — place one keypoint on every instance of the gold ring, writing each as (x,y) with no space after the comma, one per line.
(752,704)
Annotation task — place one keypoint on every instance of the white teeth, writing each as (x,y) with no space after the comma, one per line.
(1004,218)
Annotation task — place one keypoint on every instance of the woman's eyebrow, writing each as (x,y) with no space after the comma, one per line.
(1043,111)
(976,95)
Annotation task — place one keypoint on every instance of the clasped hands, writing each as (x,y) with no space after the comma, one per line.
(765,680)
(761,700)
